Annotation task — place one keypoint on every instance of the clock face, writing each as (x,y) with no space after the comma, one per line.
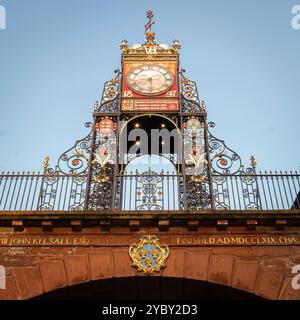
(150,79)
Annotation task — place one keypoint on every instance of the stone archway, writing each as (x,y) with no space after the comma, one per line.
(263,271)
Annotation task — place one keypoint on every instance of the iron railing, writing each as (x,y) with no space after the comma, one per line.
(261,191)
(149,191)
(36,191)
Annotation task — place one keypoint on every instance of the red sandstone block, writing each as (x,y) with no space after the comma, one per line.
(101,265)
(123,264)
(268,283)
(28,281)
(234,251)
(288,292)
(174,264)
(196,265)
(11,292)
(77,269)
(244,275)
(53,274)
(163,225)
(220,269)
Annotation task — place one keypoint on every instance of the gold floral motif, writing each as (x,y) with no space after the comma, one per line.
(100,179)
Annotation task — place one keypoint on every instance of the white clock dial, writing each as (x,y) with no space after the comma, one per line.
(150,80)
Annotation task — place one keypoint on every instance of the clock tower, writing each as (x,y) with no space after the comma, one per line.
(149,146)
(150,75)
(149,190)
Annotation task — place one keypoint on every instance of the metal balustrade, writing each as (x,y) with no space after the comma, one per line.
(149,191)
(261,191)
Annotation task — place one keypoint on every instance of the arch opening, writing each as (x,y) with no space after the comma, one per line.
(146,288)
(150,145)
(149,135)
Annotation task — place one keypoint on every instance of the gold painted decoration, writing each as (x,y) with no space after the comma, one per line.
(46,162)
(149,255)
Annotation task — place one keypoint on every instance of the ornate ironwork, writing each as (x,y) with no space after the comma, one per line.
(181,192)
(223,159)
(189,96)
(101,190)
(196,164)
(87,175)
(149,191)
(173,117)
(198,195)
(102,165)
(74,160)
(110,102)
(225,166)
(128,157)
(277,191)
(69,176)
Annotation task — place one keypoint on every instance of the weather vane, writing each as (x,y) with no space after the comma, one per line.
(150,16)
(149,34)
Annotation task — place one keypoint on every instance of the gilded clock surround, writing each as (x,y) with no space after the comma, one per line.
(135,77)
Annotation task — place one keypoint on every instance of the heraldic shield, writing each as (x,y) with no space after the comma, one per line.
(148,255)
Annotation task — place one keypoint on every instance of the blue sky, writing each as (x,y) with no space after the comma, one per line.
(55,56)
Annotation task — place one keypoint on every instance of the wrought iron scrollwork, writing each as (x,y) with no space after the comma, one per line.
(173,117)
(75,160)
(196,164)
(101,193)
(102,165)
(181,191)
(233,185)
(190,106)
(189,95)
(189,88)
(198,195)
(64,186)
(149,191)
(223,159)
(110,96)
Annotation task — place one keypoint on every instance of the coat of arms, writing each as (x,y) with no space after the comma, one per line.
(148,255)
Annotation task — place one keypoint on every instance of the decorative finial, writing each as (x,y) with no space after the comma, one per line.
(253,162)
(150,35)
(203,106)
(46,162)
(124,45)
(96,106)
(176,45)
